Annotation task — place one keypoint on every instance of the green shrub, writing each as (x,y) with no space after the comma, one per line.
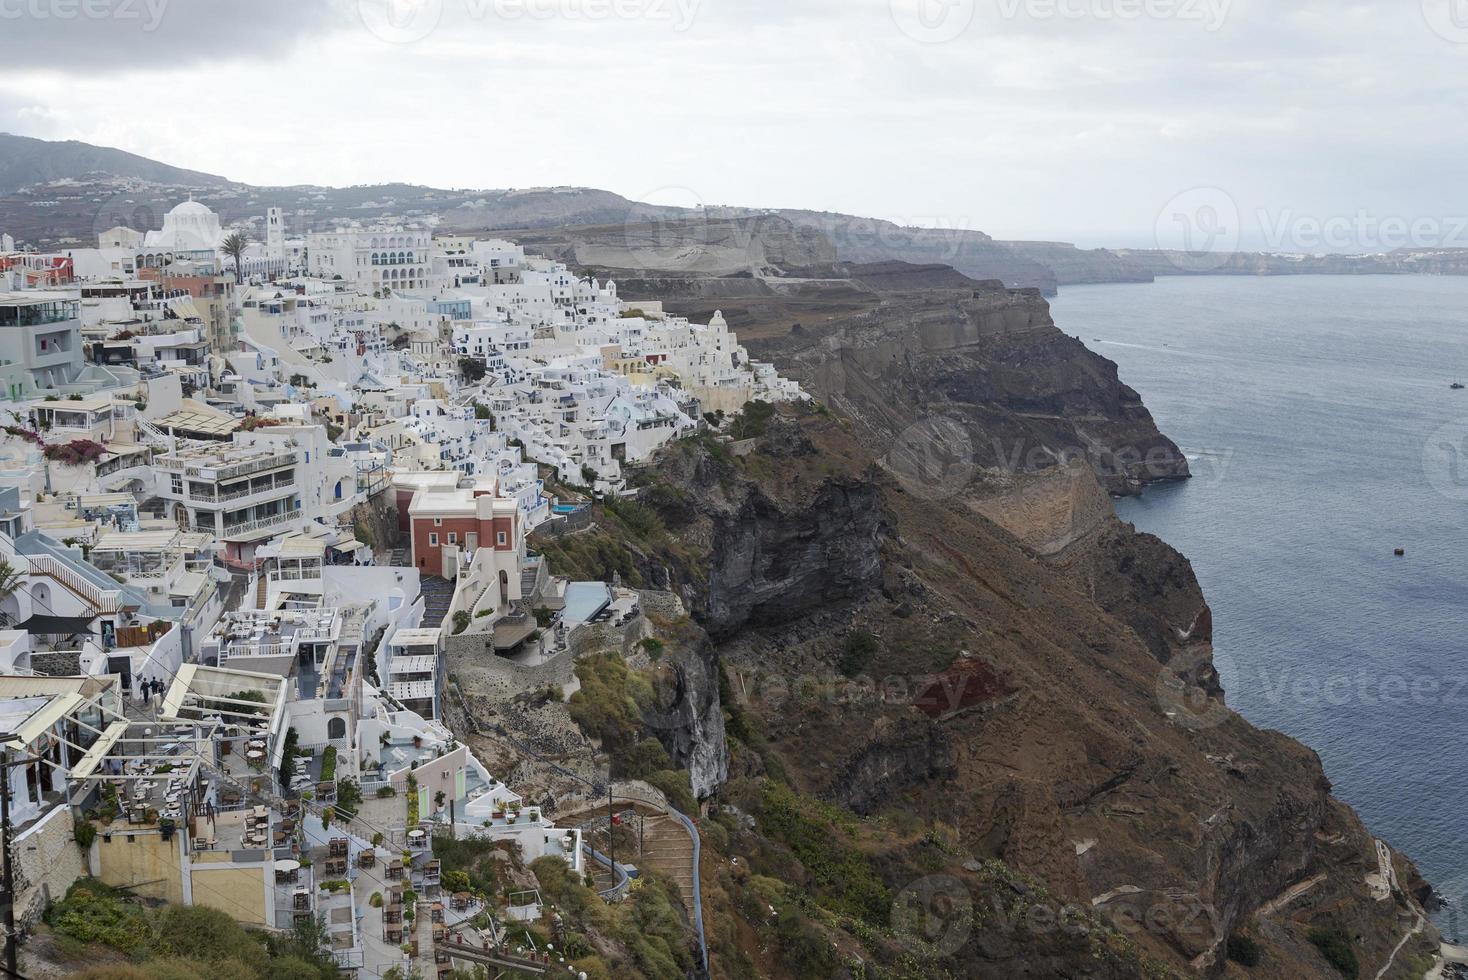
(844,878)
(1335,945)
(753,421)
(85,832)
(92,913)
(1243,950)
(461,621)
(674,785)
(857,653)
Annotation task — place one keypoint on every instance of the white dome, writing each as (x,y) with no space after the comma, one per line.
(191,209)
(189,227)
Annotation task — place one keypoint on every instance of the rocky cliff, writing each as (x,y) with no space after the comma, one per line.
(978,384)
(1053,719)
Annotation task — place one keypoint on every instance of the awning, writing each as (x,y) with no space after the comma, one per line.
(351,545)
(51,625)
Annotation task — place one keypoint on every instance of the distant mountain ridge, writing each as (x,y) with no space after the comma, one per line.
(25,161)
(592,227)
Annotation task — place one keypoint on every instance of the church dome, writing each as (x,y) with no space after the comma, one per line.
(191,209)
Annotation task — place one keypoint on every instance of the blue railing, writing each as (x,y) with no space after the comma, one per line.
(703,948)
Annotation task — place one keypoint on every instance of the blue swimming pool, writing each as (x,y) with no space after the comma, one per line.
(584,600)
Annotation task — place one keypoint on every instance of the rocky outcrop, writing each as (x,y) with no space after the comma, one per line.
(698,245)
(771,564)
(971,252)
(990,367)
(1057,708)
(1074,266)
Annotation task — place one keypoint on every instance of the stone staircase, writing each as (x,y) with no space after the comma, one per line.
(438,595)
(667,848)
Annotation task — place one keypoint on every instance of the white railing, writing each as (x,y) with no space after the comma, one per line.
(103,600)
(252,650)
(213,496)
(249,527)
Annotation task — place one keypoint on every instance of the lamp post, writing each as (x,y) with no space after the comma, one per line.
(611,836)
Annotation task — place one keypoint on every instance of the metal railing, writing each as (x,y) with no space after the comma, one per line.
(103,600)
(248,527)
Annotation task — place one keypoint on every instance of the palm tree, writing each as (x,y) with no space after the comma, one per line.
(234,246)
(10,578)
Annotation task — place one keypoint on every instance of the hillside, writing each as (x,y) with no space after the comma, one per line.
(25,161)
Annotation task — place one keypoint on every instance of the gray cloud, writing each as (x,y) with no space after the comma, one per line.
(1038,118)
(89,36)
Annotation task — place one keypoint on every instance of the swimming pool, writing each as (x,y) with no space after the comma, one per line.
(584,600)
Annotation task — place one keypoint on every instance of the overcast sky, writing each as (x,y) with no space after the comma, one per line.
(1326,125)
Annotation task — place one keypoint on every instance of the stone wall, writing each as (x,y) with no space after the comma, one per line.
(562,524)
(376,523)
(63,664)
(47,861)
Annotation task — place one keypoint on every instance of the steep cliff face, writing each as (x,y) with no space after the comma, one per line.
(1055,711)
(1074,266)
(769,552)
(990,365)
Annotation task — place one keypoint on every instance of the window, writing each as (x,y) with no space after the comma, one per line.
(500,537)
(438,522)
(453,537)
(433,540)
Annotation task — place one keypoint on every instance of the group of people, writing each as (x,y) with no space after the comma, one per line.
(147,689)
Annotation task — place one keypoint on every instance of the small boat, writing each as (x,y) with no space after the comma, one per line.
(1400,552)
(1457,386)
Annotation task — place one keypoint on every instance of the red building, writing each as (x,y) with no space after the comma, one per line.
(448,527)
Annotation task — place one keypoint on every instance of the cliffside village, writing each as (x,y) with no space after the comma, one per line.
(217,672)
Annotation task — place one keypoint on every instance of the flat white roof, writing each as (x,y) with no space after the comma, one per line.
(75,404)
(441,502)
(417,664)
(28,297)
(135,540)
(301,546)
(415,638)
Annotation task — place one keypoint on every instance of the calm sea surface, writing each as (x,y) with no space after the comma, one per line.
(1318,420)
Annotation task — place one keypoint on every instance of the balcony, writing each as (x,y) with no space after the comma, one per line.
(212,497)
(223,472)
(242,529)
